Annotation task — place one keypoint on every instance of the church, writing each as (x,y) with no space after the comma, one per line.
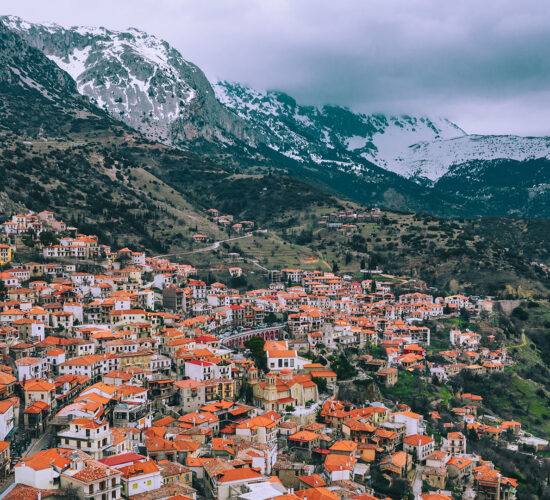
(277,392)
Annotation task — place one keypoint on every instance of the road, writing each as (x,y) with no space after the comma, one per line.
(417,482)
(209,248)
(38,444)
(6,484)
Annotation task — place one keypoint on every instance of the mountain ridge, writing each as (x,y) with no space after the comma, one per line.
(396,161)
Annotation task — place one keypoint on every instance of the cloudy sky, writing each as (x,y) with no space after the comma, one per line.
(483,64)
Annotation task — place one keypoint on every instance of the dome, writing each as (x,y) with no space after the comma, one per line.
(286,371)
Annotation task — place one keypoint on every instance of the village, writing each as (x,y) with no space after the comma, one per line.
(125,375)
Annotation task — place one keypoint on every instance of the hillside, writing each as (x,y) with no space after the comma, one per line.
(474,256)
(501,187)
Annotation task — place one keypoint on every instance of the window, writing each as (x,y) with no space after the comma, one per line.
(91,488)
(134,486)
(149,482)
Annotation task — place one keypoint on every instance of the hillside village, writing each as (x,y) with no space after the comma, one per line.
(126,375)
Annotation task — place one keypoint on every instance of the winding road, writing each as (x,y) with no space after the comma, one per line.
(209,248)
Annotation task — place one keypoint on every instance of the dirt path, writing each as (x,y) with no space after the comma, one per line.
(523,342)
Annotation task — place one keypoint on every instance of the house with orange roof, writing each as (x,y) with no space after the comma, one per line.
(455,444)
(29,368)
(459,468)
(397,464)
(311,481)
(30,329)
(339,467)
(344,447)
(222,447)
(303,442)
(260,429)
(140,477)
(235,478)
(37,389)
(419,446)
(490,483)
(42,469)
(161,449)
(91,479)
(55,357)
(203,420)
(386,439)
(359,429)
(174,472)
(511,426)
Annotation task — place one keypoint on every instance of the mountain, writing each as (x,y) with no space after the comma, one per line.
(422,148)
(393,161)
(139,80)
(514,188)
(331,133)
(134,77)
(434,159)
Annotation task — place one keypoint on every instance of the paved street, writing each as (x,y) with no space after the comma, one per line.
(417,482)
(38,444)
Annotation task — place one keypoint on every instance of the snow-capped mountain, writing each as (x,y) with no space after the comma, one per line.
(144,82)
(139,80)
(308,133)
(414,147)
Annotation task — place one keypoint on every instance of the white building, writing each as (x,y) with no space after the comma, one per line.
(140,477)
(7,418)
(419,446)
(414,423)
(205,370)
(87,434)
(28,368)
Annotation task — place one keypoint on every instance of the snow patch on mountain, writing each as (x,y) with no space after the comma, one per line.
(433,159)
